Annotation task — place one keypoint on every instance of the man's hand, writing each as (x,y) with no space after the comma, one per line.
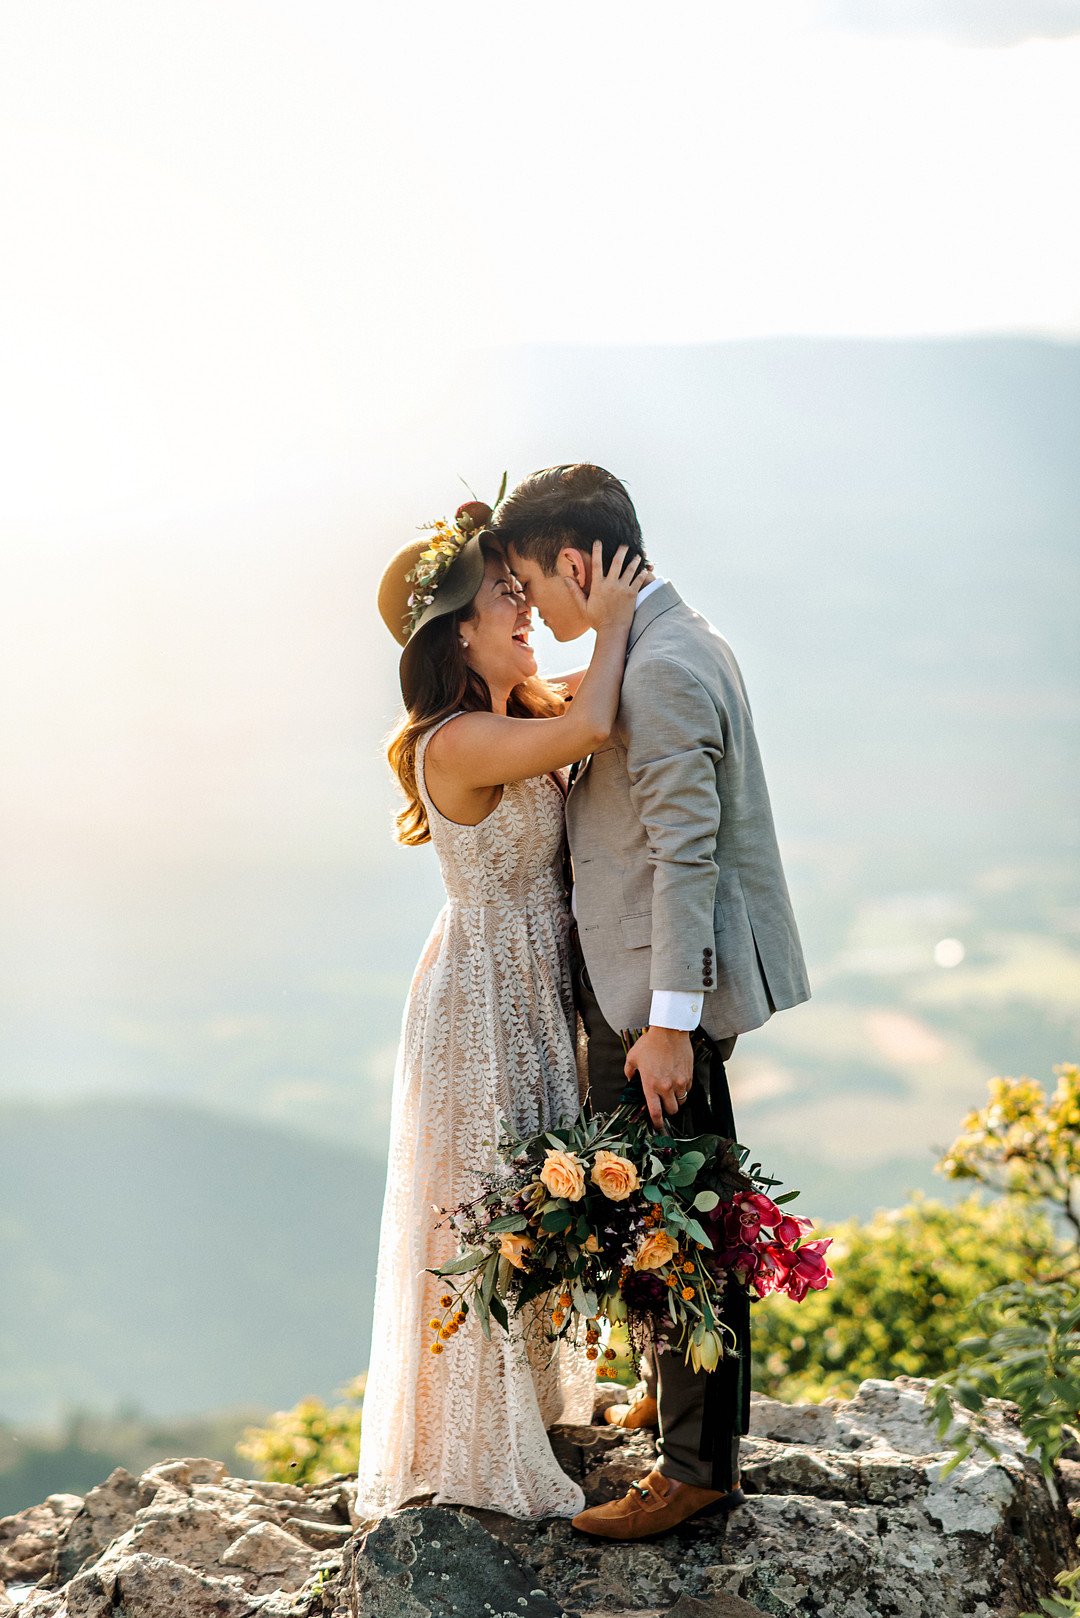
(664,1061)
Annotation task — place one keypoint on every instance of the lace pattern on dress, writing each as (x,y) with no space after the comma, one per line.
(488,1035)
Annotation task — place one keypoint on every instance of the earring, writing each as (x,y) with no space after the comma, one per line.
(464,643)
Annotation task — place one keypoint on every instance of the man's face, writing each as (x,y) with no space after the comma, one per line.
(550,594)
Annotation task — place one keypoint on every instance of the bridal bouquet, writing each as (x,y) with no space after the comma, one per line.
(606,1220)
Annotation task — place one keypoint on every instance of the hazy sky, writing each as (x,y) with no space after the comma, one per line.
(249,246)
(248,249)
(240,238)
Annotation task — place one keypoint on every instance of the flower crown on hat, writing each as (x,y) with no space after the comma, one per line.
(448,539)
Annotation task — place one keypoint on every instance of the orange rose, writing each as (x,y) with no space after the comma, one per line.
(616,1176)
(655,1251)
(592,1243)
(564,1175)
(515,1248)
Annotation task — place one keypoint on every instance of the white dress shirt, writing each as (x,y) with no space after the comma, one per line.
(671,1008)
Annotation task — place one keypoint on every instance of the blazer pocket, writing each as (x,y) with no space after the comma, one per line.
(637,930)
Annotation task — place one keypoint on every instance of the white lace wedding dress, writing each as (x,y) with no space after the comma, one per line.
(487,1036)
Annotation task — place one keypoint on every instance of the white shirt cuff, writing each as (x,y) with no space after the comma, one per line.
(672,1008)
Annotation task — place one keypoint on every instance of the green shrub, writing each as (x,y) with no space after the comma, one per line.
(1067,1605)
(311,1442)
(1026,1144)
(902,1298)
(1029,1352)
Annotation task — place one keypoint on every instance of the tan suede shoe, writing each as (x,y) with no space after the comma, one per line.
(642,1413)
(653,1506)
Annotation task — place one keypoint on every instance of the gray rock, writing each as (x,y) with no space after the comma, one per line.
(278,1559)
(186,1473)
(848,1515)
(155,1587)
(111,1506)
(92,1592)
(431,1562)
(720,1606)
(320,1535)
(984,1541)
(184,1529)
(41,1603)
(28,1539)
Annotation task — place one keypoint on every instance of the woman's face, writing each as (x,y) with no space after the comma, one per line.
(498,632)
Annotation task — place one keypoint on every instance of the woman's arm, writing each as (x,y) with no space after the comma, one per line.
(484,750)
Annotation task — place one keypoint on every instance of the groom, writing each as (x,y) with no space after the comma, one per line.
(683,923)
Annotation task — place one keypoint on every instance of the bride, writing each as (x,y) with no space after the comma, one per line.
(488,1031)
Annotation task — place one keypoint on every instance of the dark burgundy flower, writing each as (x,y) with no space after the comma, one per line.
(791,1228)
(809,1271)
(754,1210)
(644,1292)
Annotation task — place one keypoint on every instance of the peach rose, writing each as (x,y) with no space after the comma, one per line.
(656,1250)
(514,1248)
(592,1243)
(616,1176)
(564,1175)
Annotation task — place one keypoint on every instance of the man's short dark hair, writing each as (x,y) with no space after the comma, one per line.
(568,505)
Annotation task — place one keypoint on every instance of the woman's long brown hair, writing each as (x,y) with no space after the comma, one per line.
(446,685)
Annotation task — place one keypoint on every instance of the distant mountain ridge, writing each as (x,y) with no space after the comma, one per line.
(177,1258)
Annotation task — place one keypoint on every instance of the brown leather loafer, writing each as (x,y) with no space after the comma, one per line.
(653,1506)
(642,1413)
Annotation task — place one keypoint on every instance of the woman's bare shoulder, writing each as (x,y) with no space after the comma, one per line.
(463,731)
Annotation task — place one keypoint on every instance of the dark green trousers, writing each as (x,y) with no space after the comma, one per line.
(702,1414)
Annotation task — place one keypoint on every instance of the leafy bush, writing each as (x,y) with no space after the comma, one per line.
(311,1442)
(1025,1144)
(906,1283)
(1067,1605)
(1031,1355)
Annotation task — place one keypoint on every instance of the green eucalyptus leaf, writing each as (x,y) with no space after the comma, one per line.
(498,1309)
(465,1261)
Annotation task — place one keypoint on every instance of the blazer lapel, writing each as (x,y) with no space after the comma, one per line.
(659,602)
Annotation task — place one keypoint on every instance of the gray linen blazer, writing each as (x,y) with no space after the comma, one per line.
(671,834)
